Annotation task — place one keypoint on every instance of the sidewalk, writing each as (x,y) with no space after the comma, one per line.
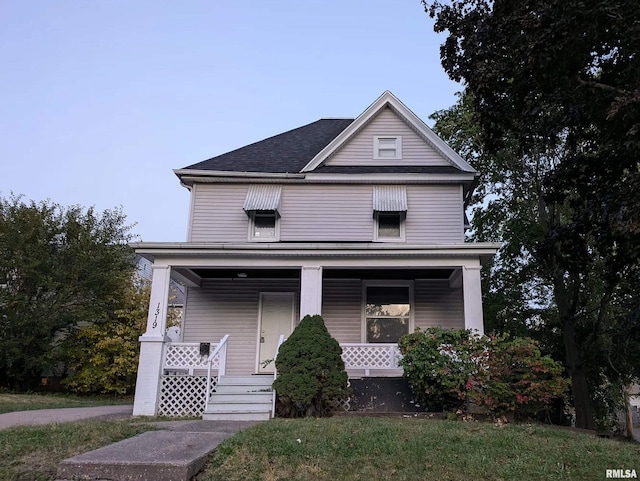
(63,415)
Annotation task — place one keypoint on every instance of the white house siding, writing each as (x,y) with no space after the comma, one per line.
(342,308)
(415,151)
(222,307)
(320,213)
(217,213)
(436,304)
(434,214)
(328,213)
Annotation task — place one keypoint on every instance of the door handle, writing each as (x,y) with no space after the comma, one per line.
(262,340)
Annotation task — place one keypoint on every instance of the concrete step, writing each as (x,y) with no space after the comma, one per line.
(242,388)
(238,406)
(257,380)
(238,416)
(242,397)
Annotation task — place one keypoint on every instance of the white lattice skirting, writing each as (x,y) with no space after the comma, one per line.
(183,395)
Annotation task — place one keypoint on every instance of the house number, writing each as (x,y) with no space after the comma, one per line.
(155,321)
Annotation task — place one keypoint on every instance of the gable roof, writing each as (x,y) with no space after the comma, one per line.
(387,99)
(307,148)
(288,152)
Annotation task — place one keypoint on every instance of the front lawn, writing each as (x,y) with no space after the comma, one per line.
(32,453)
(28,402)
(367,449)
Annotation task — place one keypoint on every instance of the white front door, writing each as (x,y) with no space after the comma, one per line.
(276,318)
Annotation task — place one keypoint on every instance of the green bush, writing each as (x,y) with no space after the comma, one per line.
(437,363)
(311,377)
(504,375)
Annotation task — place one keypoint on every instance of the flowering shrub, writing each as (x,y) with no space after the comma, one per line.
(502,374)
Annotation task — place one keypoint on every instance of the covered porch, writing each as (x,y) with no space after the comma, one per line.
(251,298)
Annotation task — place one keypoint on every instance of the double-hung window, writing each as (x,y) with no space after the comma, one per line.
(389,213)
(387,312)
(262,205)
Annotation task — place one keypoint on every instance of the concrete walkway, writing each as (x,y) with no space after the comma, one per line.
(63,415)
(175,453)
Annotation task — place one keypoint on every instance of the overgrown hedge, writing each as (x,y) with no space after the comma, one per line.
(502,374)
(311,377)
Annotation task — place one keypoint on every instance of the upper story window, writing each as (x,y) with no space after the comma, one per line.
(262,205)
(264,226)
(389,213)
(387,147)
(389,226)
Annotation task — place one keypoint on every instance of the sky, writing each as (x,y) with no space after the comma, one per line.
(101,99)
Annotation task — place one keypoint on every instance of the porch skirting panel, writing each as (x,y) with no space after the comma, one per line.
(182,395)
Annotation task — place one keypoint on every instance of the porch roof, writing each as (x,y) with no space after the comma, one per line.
(292,255)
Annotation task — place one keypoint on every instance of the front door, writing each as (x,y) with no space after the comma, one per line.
(276,318)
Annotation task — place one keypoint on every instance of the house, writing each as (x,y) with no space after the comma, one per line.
(360,220)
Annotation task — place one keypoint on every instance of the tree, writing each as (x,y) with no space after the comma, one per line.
(59,267)
(103,357)
(557,84)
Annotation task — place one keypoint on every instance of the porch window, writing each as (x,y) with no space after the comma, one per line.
(387,313)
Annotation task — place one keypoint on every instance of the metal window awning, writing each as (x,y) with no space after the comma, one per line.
(390,198)
(263,198)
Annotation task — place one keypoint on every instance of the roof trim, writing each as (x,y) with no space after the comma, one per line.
(388,99)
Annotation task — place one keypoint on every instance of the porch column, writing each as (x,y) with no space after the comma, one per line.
(472,293)
(310,291)
(152,344)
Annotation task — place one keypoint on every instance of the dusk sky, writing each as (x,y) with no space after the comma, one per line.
(101,99)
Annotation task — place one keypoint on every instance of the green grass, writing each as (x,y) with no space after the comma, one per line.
(32,453)
(352,449)
(28,402)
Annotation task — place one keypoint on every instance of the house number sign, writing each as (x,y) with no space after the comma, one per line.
(155,321)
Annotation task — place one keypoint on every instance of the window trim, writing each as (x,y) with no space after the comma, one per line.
(252,218)
(376,147)
(376,227)
(383,283)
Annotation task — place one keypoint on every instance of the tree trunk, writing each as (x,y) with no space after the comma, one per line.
(579,385)
(565,303)
(628,416)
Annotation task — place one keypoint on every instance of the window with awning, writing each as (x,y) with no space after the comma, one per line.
(262,205)
(389,212)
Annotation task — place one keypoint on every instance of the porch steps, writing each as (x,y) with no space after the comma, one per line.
(241,398)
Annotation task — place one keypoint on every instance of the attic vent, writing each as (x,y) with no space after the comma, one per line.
(387,147)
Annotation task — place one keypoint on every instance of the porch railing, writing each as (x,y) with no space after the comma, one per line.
(370,356)
(185,357)
(219,353)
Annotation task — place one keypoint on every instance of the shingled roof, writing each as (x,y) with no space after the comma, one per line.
(288,152)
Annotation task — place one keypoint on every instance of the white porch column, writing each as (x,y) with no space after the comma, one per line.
(152,345)
(310,291)
(472,293)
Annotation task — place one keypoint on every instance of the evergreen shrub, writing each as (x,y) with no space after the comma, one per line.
(311,377)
